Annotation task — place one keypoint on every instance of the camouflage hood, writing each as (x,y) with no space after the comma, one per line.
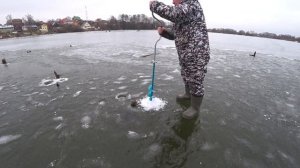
(188,0)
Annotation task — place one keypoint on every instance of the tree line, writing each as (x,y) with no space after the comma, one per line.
(129,22)
(123,22)
(252,33)
(133,22)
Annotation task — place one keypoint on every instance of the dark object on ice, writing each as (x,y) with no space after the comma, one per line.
(48,82)
(71,45)
(133,103)
(4,61)
(253,55)
(146,55)
(28,51)
(56,75)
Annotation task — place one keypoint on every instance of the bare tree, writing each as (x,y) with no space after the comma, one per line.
(9,19)
(28,20)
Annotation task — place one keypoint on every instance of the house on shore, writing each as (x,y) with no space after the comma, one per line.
(44,28)
(6,29)
(29,28)
(86,26)
(17,23)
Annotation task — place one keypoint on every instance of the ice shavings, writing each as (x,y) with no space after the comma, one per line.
(156,103)
(8,138)
(49,82)
(59,126)
(77,94)
(122,87)
(146,81)
(133,135)
(85,122)
(167,77)
(122,78)
(117,82)
(176,71)
(60,118)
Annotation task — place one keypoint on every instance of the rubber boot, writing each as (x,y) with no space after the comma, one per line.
(185,96)
(194,109)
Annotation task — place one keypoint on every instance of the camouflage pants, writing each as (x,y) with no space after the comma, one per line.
(193,72)
(193,78)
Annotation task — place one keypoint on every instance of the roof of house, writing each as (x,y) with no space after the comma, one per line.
(6,26)
(30,26)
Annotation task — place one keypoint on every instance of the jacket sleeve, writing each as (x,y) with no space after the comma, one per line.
(171,13)
(168,34)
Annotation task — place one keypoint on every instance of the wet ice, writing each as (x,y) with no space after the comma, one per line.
(248,104)
(85,122)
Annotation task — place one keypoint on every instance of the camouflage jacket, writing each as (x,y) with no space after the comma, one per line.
(189,30)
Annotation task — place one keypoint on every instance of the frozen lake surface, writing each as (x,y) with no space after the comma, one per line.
(250,115)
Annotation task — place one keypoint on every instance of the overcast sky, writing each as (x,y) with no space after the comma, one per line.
(275,16)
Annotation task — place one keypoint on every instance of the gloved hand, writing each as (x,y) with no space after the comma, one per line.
(151,2)
(160,30)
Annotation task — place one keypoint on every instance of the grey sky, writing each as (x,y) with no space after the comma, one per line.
(275,16)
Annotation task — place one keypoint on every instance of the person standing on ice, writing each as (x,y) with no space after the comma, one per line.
(191,39)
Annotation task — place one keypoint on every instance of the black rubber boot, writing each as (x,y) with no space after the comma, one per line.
(185,96)
(194,109)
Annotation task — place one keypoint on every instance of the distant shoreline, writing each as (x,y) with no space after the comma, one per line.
(222,31)
(285,37)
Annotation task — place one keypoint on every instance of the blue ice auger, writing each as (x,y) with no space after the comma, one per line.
(151,87)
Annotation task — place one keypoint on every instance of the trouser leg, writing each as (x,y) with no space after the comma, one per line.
(194,78)
(196,83)
(184,76)
(186,95)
